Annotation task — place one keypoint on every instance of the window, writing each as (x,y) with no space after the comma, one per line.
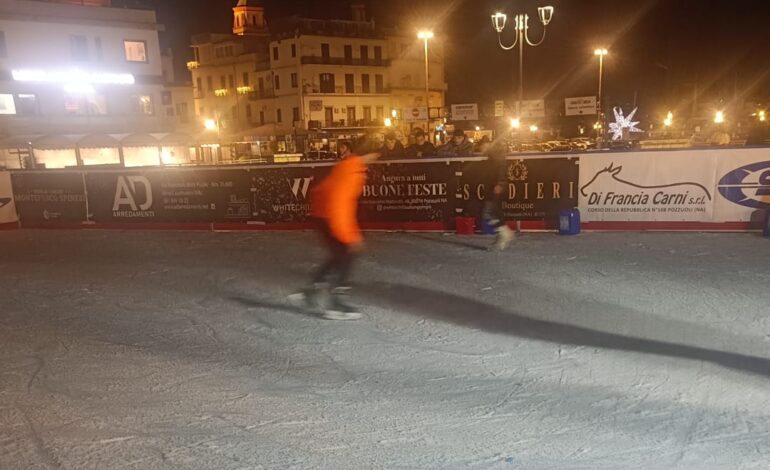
(294,81)
(245,78)
(248,112)
(182,112)
(348,54)
(90,104)
(380,113)
(231,81)
(364,55)
(379,84)
(378,55)
(278,117)
(7,106)
(275,53)
(295,114)
(351,115)
(261,118)
(3,49)
(210,82)
(261,87)
(142,105)
(368,113)
(349,83)
(136,51)
(325,53)
(293,50)
(327,83)
(365,83)
(277,82)
(222,82)
(199,85)
(98,49)
(79,47)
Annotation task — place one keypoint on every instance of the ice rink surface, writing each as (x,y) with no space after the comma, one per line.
(166,350)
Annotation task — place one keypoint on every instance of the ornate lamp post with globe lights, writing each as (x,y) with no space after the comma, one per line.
(522,37)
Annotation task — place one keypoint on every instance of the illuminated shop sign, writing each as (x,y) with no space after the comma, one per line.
(73,77)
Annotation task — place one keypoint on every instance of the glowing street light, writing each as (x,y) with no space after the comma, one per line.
(210,124)
(393,113)
(669,119)
(600,52)
(719,117)
(388,122)
(533,128)
(761,115)
(425,35)
(515,123)
(522,35)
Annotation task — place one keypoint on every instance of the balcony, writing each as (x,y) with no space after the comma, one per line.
(261,95)
(319,60)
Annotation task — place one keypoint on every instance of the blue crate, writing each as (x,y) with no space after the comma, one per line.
(569,221)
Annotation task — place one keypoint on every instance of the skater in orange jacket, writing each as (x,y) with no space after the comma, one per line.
(334,206)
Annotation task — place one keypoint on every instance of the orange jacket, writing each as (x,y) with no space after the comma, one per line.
(335,199)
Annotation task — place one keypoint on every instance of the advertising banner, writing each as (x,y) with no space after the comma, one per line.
(648,186)
(499,108)
(465,112)
(536,188)
(269,195)
(49,197)
(408,192)
(580,106)
(743,185)
(532,109)
(7,206)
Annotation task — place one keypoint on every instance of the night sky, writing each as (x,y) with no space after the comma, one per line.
(661,51)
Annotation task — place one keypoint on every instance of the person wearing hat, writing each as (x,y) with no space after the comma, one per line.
(459,146)
(421,146)
(393,148)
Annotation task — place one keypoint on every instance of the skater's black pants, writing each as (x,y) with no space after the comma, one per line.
(336,270)
(493,211)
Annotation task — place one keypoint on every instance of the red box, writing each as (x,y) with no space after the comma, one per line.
(465,225)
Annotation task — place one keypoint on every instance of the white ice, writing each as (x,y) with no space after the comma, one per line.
(166,350)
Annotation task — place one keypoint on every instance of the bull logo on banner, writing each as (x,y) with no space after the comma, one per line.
(129,200)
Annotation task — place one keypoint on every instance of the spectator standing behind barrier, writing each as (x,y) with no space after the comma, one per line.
(392,148)
(421,147)
(459,146)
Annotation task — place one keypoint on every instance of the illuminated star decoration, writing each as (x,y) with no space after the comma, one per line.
(622,122)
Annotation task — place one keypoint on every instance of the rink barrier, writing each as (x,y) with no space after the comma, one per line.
(714,190)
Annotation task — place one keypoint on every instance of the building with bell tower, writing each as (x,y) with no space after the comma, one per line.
(249,19)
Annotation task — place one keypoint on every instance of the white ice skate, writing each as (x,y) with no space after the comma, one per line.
(313,299)
(339,308)
(504,237)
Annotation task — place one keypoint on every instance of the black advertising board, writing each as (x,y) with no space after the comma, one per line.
(408,192)
(42,197)
(169,195)
(535,188)
(282,195)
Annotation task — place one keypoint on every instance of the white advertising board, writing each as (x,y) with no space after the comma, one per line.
(580,106)
(648,186)
(743,184)
(465,112)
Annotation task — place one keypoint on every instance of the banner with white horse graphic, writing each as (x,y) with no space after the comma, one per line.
(648,186)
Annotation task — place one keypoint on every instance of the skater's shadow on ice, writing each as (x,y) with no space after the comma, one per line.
(479,315)
(272,306)
(452,240)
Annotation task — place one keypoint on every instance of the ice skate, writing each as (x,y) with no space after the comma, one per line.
(504,237)
(340,309)
(312,299)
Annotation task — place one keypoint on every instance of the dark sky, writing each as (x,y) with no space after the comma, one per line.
(661,50)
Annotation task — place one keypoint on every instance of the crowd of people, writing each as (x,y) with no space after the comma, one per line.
(458,146)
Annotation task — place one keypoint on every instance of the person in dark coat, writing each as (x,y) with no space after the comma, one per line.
(392,148)
(421,146)
(495,173)
(459,146)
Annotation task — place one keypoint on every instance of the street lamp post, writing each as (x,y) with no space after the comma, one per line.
(522,36)
(425,36)
(601,52)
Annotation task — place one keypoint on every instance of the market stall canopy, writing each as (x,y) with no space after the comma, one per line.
(53,142)
(139,140)
(98,141)
(179,139)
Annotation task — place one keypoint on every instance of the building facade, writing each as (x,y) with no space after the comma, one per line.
(79,67)
(302,77)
